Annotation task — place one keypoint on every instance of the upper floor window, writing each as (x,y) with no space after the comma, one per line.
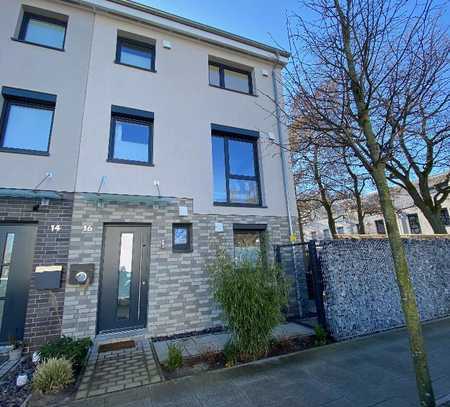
(414,224)
(381,228)
(227,77)
(43,30)
(131,138)
(135,53)
(235,167)
(27,120)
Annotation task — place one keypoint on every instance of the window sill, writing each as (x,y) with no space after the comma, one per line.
(135,67)
(38,45)
(239,205)
(130,162)
(234,91)
(182,250)
(21,151)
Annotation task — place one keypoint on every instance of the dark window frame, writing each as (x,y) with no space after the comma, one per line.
(131,116)
(135,44)
(222,68)
(36,100)
(445,216)
(251,140)
(380,222)
(27,16)
(414,216)
(259,229)
(182,248)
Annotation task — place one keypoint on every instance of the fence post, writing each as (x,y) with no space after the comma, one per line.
(317,282)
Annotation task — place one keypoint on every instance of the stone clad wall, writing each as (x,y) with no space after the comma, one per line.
(180,299)
(361,293)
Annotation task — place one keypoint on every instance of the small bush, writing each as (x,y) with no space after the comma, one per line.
(53,375)
(175,359)
(67,348)
(252,296)
(321,335)
(231,354)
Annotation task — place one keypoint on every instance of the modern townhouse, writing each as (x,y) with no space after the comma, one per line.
(134,144)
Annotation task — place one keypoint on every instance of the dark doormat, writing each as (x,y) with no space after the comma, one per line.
(109,347)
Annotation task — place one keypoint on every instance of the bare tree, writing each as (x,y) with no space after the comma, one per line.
(352,78)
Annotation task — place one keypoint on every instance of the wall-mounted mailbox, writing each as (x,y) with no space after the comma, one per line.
(47,277)
(81,274)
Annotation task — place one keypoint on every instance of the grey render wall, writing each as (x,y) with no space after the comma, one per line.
(361,294)
(180,299)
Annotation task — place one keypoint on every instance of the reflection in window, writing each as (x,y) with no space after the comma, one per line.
(42,30)
(6,263)
(231,78)
(2,308)
(182,237)
(414,224)
(248,245)
(28,126)
(214,75)
(236,179)
(380,226)
(237,81)
(135,53)
(125,270)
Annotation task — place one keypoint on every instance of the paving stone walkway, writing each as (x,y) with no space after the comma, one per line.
(108,372)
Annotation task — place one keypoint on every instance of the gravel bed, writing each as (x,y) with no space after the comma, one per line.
(10,394)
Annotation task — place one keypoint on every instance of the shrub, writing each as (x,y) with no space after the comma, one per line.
(231,354)
(67,348)
(252,296)
(53,375)
(175,359)
(321,335)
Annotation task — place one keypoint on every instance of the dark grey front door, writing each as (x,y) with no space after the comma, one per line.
(16,262)
(124,278)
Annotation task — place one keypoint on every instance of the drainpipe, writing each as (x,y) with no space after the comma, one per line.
(280,141)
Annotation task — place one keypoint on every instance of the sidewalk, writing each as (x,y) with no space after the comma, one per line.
(372,371)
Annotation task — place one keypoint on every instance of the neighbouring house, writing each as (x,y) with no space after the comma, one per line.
(410,218)
(134,143)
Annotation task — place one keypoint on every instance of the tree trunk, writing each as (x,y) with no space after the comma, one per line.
(407,295)
(433,216)
(359,210)
(331,222)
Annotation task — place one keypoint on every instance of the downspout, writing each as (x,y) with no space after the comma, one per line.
(280,141)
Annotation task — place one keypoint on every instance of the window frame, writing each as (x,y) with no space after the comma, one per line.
(182,248)
(445,216)
(380,222)
(121,40)
(238,137)
(131,116)
(222,67)
(27,16)
(36,100)
(260,229)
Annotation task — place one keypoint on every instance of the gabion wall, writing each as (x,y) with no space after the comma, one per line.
(361,293)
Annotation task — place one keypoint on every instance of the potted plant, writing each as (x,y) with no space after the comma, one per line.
(15,351)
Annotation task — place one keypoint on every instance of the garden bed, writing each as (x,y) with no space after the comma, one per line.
(10,394)
(212,360)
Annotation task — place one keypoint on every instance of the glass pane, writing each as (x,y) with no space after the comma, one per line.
(220,190)
(136,56)
(214,75)
(131,141)
(241,158)
(2,308)
(243,191)
(7,251)
(28,128)
(45,33)
(125,263)
(247,245)
(4,280)
(181,236)
(414,224)
(236,81)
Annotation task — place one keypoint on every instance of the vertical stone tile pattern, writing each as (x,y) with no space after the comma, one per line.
(180,299)
(361,293)
(45,307)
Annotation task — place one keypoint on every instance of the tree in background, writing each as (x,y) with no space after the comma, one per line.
(355,74)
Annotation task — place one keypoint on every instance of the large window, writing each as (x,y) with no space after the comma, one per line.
(42,30)
(131,136)
(249,242)
(235,167)
(26,121)
(226,77)
(135,53)
(414,224)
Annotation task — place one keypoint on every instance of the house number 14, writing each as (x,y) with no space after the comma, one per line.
(55,228)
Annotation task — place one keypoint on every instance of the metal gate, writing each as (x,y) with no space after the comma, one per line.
(301,264)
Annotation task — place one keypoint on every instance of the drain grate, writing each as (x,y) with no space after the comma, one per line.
(109,347)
